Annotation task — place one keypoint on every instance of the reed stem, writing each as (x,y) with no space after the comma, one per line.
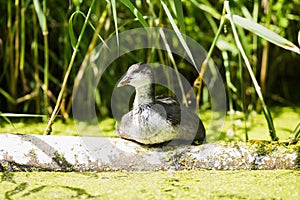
(46,61)
(267,114)
(47,131)
(198,81)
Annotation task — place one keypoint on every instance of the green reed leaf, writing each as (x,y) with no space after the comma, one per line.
(7,120)
(180,16)
(265,33)
(176,30)
(40,14)
(296,132)
(114,10)
(207,7)
(136,12)
(71,31)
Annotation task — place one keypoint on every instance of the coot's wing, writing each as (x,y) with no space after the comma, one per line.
(191,127)
(167,100)
(169,109)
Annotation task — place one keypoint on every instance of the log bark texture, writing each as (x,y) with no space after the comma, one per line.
(72,153)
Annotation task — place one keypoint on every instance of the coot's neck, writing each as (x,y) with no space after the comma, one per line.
(144,95)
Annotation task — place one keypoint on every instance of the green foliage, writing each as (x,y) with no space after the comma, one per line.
(265,33)
(35,72)
(135,11)
(40,15)
(296,132)
(7,120)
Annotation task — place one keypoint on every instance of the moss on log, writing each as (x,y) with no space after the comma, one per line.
(71,153)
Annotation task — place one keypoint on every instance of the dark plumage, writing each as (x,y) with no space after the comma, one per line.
(155,120)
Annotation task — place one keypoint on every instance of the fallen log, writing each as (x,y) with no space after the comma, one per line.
(74,153)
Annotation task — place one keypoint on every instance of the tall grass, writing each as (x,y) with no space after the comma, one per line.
(46,64)
(67,74)
(42,18)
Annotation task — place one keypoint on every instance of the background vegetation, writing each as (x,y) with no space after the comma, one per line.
(37,46)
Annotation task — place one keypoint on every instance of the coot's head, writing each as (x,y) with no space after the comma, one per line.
(137,75)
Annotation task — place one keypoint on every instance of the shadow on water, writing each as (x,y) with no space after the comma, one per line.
(23,187)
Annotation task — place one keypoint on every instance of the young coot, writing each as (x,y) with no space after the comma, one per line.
(155,120)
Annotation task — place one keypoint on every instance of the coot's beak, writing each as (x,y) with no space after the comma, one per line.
(124,81)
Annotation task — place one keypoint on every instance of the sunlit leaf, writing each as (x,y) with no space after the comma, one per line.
(114,10)
(265,33)
(207,7)
(299,38)
(40,14)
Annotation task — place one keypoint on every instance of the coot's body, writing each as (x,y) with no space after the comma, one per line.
(155,120)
